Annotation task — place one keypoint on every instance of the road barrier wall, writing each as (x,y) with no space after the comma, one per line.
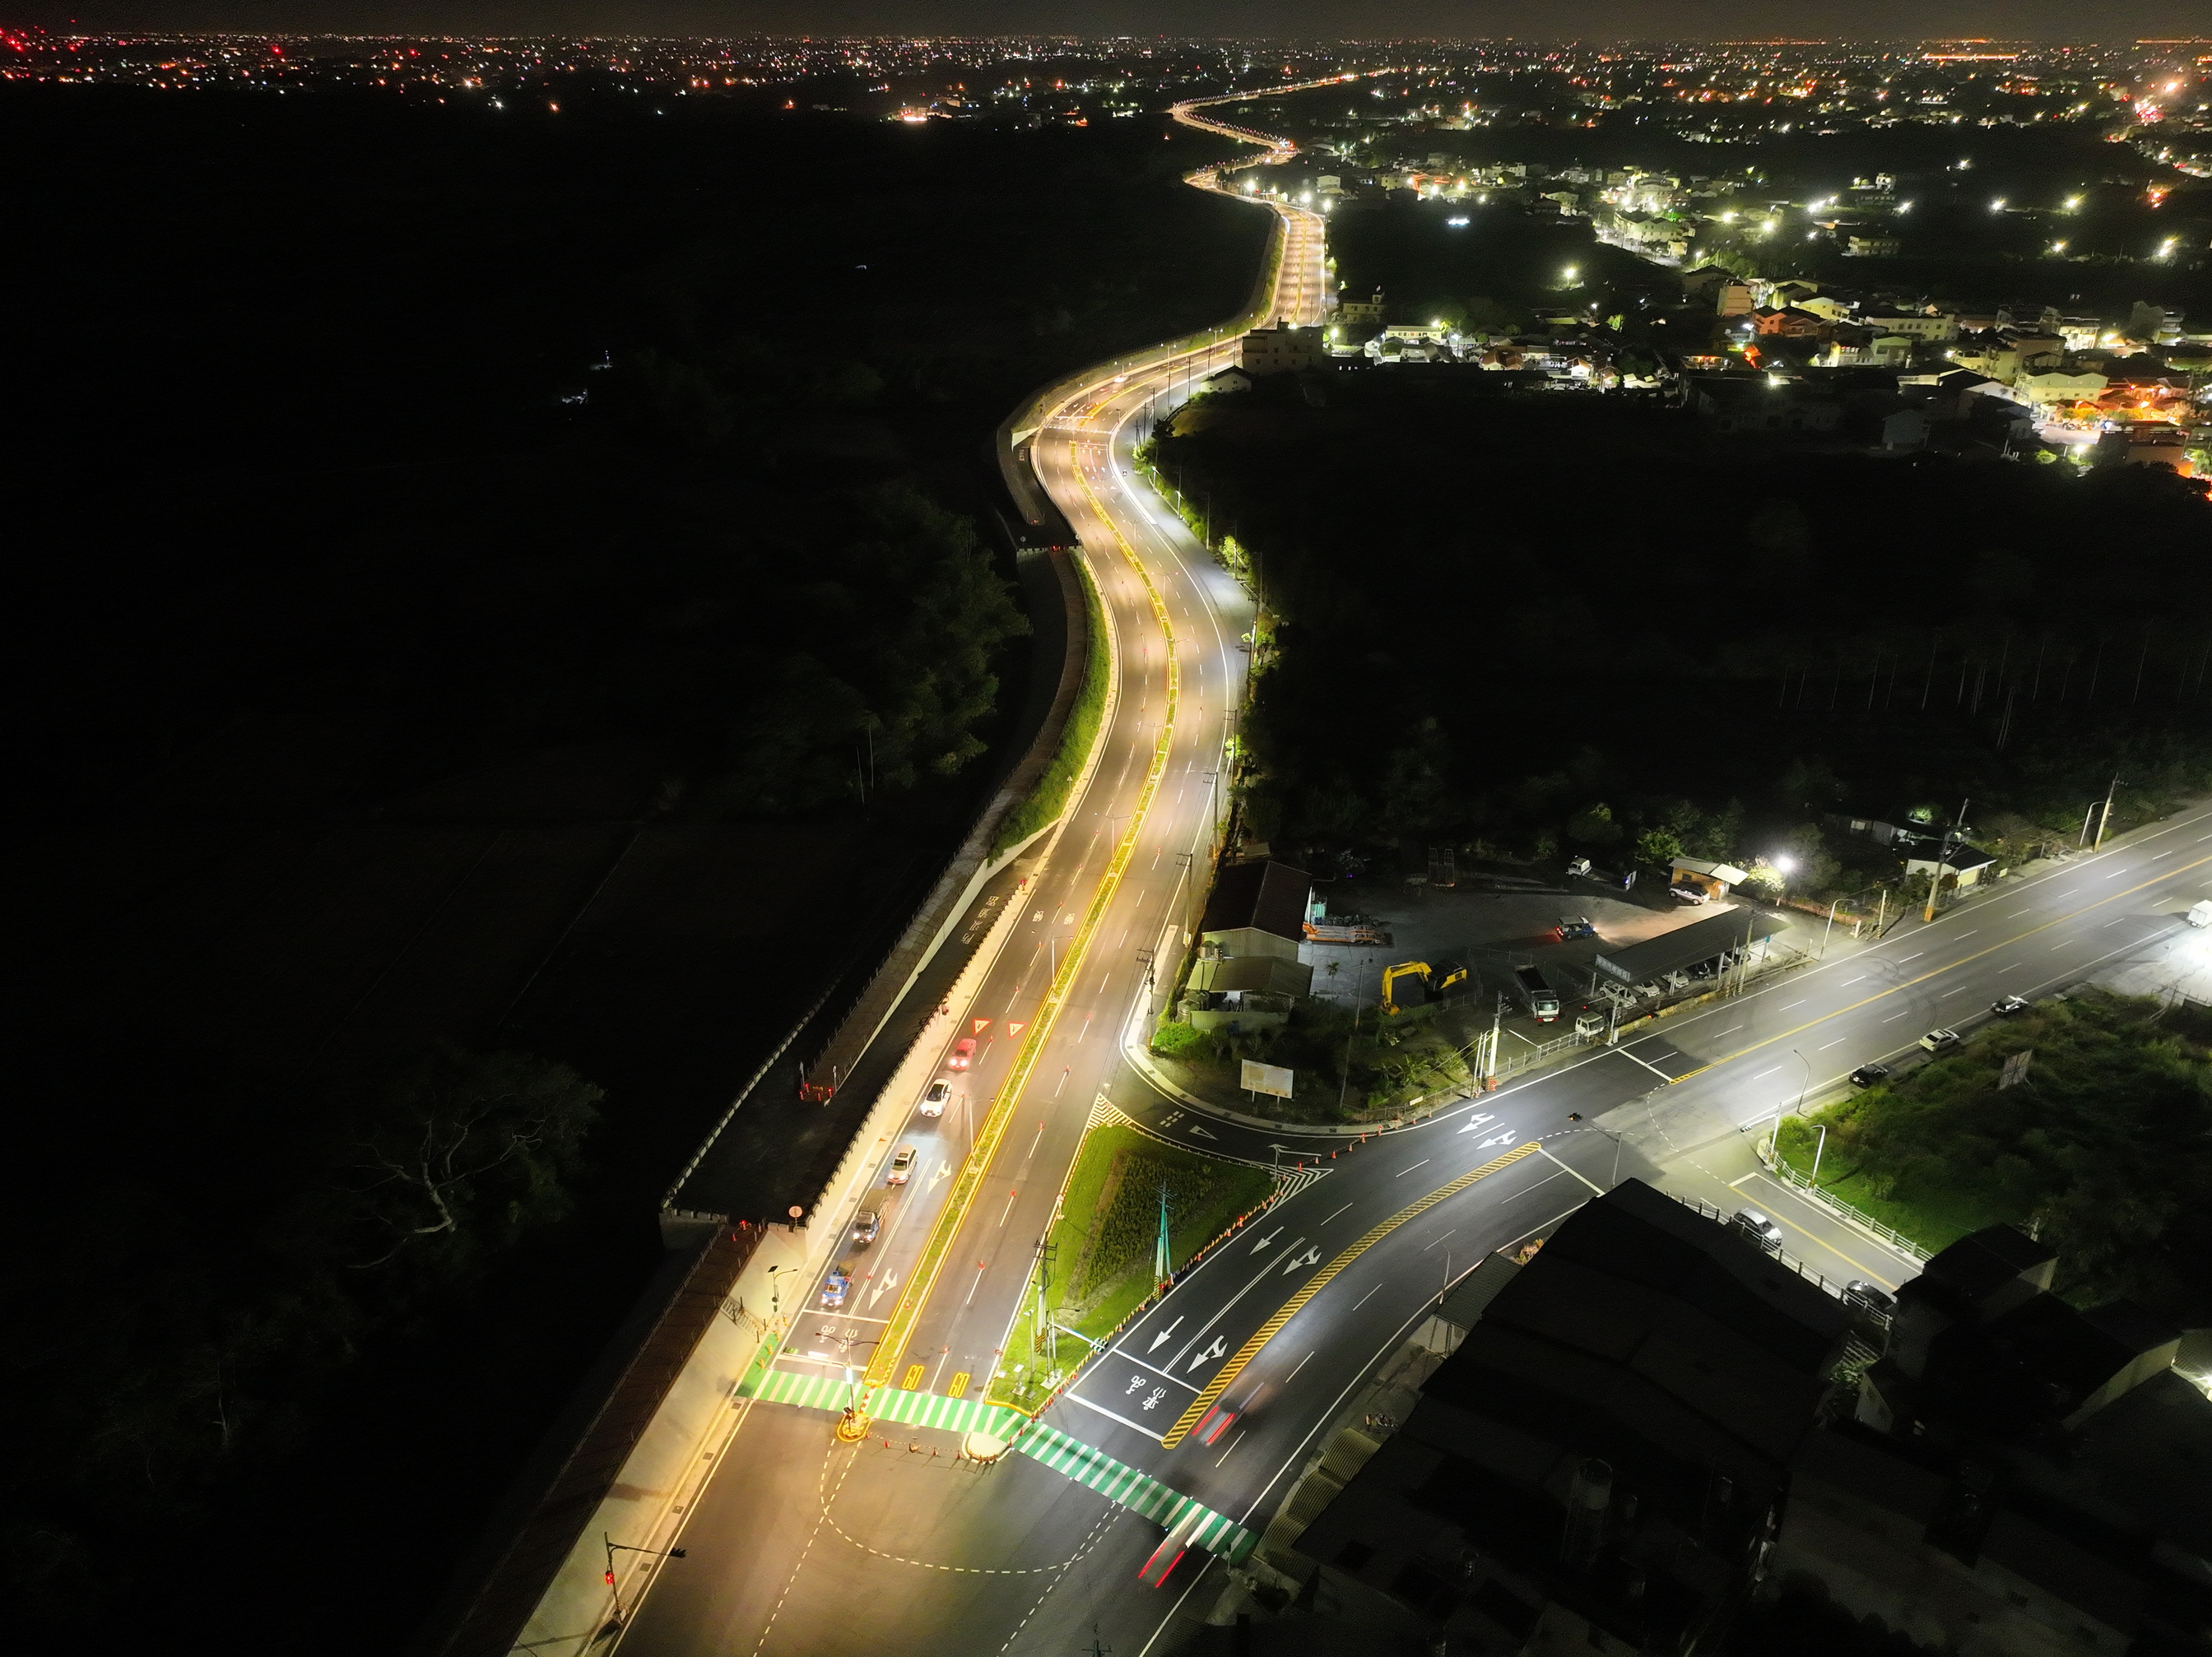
(979,858)
(632,1453)
(650,1424)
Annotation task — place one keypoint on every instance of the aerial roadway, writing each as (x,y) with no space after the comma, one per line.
(802,1543)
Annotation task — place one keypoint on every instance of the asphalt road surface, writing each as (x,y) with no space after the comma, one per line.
(802,1545)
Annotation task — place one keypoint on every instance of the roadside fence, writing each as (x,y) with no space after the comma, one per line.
(1836,1205)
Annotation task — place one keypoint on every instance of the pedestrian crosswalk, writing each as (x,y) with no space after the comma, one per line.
(1068,1456)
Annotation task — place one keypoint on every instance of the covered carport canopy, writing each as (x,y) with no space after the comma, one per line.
(1685,946)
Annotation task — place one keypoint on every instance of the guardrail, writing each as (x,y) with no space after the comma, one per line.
(1836,1205)
(1826,1284)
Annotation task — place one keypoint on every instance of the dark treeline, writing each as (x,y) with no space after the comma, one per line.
(363,456)
(1542,620)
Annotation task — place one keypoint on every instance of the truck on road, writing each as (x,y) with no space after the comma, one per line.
(1541,1000)
(2201,914)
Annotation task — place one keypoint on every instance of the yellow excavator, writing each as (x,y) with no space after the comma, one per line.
(1434,980)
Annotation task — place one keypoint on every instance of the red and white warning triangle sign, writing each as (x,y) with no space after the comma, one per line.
(1012,1028)
(980,1024)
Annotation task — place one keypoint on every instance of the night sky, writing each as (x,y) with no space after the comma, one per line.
(2056,20)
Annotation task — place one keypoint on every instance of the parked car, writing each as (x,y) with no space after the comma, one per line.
(1758,1227)
(902,1169)
(963,1053)
(1867,1075)
(866,1224)
(1578,866)
(932,1102)
(1691,894)
(2009,1006)
(1859,1292)
(1940,1040)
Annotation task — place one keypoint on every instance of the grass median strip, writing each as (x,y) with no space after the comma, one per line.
(1320,1280)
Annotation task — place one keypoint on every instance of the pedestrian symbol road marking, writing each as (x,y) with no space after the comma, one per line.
(959,1383)
(913,1377)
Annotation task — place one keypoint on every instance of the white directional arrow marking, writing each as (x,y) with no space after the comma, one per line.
(1311,1257)
(1160,1339)
(890,1283)
(1219,1349)
(1477,1121)
(944,1173)
(1506,1139)
(1265,1240)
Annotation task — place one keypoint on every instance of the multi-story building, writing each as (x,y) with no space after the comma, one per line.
(2023,1479)
(1595,1467)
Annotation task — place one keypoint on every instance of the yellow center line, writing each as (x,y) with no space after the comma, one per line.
(1313,1285)
(2013,942)
(923,1279)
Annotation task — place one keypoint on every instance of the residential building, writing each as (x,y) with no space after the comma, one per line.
(1369,310)
(1248,972)
(1787,322)
(1965,865)
(1861,246)
(2023,1478)
(1597,1466)
(2057,386)
(1279,350)
(1746,403)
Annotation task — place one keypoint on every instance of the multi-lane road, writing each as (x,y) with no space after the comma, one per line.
(800,1544)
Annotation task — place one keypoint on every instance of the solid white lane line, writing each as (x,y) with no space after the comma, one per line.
(1403,1172)
(1578,1172)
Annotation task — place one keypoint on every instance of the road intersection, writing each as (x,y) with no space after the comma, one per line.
(893,1544)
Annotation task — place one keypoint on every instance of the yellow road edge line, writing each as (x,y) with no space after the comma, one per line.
(923,1280)
(1320,1280)
(1937,972)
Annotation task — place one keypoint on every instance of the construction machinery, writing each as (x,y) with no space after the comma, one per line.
(1434,981)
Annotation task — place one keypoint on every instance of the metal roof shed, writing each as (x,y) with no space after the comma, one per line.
(1685,946)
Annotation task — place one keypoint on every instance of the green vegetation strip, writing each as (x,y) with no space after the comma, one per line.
(1103,1240)
(2102,1145)
(1045,801)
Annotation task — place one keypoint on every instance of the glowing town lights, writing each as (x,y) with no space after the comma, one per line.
(1567,275)
(2073,203)
(2058,248)
(1997,206)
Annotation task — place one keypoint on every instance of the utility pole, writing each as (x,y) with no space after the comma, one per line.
(1045,1331)
(2106,817)
(1163,1257)
(1950,836)
(1829,928)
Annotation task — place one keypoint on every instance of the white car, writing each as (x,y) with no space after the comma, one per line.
(901,1167)
(932,1102)
(1940,1040)
(1691,894)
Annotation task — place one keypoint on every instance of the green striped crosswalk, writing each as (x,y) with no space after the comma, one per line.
(1069,1457)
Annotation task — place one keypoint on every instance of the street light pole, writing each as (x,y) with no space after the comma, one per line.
(1806,1086)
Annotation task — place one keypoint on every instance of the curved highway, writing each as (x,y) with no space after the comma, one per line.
(802,1544)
